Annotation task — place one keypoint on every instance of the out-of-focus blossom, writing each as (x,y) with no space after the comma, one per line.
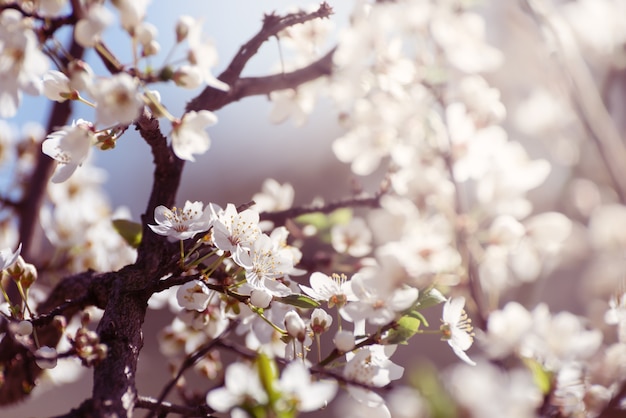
(118,99)
(22,63)
(376,301)
(297,387)
(88,30)
(189,135)
(353,238)
(371,366)
(242,386)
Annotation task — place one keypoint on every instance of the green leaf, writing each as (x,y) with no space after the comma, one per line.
(408,325)
(340,216)
(317,219)
(428,298)
(541,377)
(426,380)
(299,301)
(129,230)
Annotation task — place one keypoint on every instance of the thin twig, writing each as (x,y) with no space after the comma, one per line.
(189,362)
(199,411)
(279,218)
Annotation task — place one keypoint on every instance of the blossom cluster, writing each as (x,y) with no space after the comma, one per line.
(272,304)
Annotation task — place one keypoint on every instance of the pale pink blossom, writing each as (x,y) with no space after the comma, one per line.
(189,135)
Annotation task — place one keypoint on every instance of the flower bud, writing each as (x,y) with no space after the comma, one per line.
(295,326)
(184,24)
(260,298)
(344,341)
(320,321)
(24,328)
(46,357)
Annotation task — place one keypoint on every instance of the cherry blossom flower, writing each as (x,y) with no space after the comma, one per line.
(193,295)
(242,386)
(506,328)
(234,231)
(70,147)
(8,257)
(457,328)
(88,30)
(181,224)
(353,238)
(189,136)
(335,291)
(371,366)
(376,300)
(56,86)
(297,388)
(203,54)
(132,13)
(22,63)
(487,390)
(274,196)
(52,8)
(265,263)
(559,339)
(117,99)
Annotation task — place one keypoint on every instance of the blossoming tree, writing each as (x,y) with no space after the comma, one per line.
(449,228)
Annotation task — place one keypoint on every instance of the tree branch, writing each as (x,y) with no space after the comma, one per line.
(240,87)
(164,408)
(272,25)
(279,218)
(73,294)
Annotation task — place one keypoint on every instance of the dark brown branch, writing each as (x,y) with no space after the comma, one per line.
(114,390)
(212,99)
(68,298)
(272,25)
(614,409)
(279,218)
(164,408)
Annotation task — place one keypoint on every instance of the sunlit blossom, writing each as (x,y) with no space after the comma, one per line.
(181,224)
(457,328)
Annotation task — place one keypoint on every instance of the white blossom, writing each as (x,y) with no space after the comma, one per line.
(297,387)
(193,295)
(88,30)
(22,63)
(118,99)
(8,257)
(181,224)
(371,366)
(70,147)
(241,386)
(189,134)
(457,328)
